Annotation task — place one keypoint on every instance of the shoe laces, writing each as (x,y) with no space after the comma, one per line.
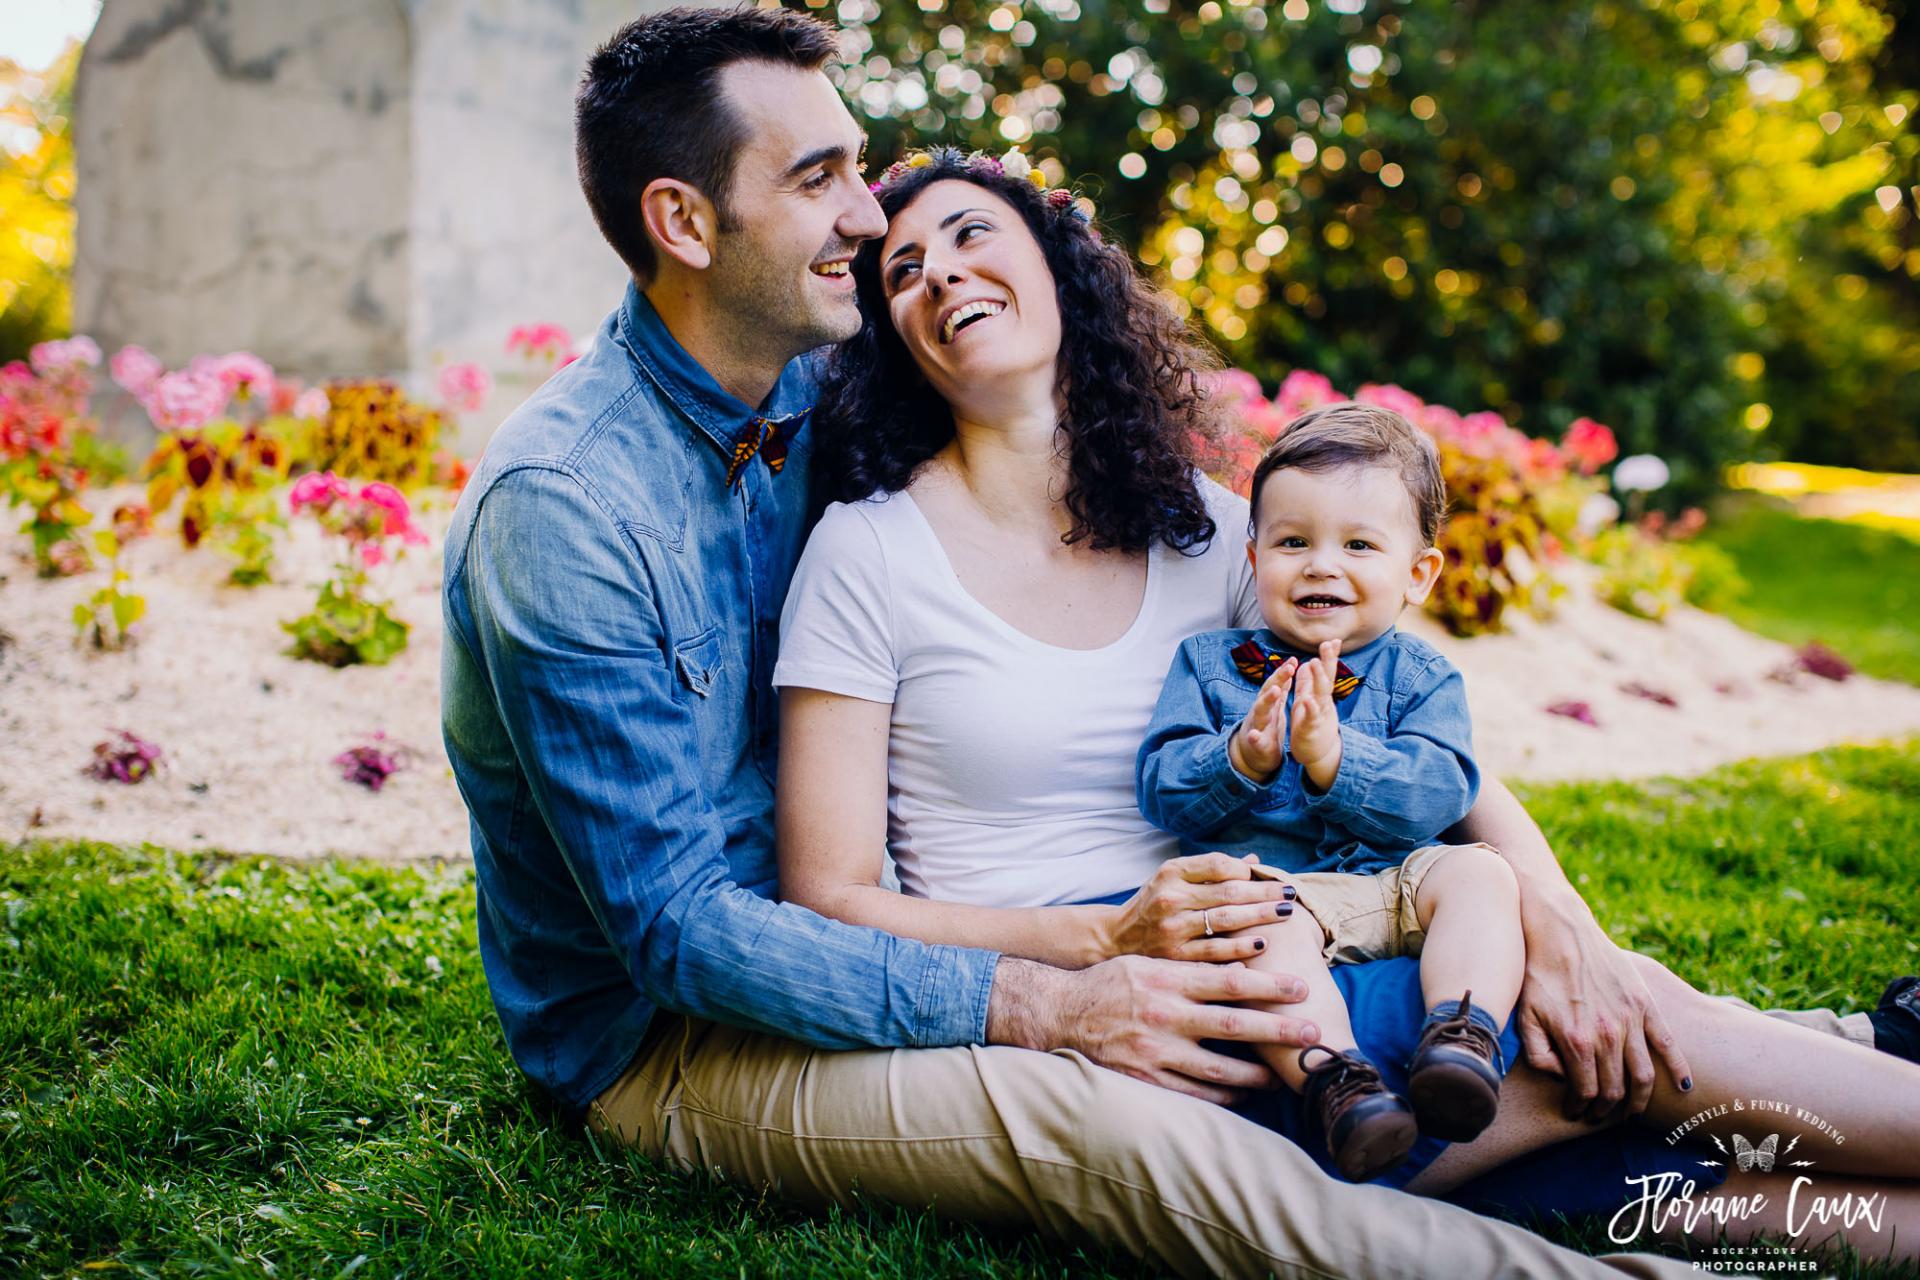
(1338,1077)
(1462,1030)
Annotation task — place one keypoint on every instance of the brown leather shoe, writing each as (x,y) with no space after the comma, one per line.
(1367,1128)
(1454,1079)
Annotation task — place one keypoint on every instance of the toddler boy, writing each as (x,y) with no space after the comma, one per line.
(1338,749)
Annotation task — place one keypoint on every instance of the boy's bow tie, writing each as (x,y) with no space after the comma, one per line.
(1257,663)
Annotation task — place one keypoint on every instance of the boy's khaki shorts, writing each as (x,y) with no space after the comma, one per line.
(1372,917)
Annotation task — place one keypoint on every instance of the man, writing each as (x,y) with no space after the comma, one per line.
(614,578)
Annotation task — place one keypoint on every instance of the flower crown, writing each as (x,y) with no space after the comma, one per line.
(1013,165)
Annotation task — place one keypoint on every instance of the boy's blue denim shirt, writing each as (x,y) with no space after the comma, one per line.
(1406,760)
(612,611)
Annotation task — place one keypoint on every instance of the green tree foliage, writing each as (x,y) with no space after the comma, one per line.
(36,202)
(1629,209)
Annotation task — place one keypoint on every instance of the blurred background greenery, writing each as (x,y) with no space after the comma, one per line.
(1690,219)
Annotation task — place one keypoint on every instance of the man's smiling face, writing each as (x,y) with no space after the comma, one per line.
(799,204)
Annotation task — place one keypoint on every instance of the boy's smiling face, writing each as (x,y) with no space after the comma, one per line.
(1337,555)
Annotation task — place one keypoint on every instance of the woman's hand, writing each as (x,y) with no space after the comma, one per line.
(1189,899)
(1258,746)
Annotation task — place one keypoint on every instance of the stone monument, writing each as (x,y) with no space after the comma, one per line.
(345,187)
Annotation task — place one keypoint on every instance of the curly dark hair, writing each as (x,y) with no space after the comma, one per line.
(1136,398)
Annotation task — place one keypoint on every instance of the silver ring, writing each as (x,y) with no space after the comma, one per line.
(1206,918)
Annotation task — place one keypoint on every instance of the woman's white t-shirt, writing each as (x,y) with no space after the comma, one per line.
(1010,762)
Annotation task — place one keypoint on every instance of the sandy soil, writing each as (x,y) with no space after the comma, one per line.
(249,733)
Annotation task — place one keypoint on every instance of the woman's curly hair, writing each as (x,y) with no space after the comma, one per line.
(1133,377)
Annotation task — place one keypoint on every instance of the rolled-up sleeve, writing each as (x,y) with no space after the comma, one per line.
(565,624)
(1184,775)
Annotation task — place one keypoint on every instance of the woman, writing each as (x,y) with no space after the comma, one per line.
(978,629)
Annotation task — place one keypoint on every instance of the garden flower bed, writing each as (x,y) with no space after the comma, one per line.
(245,655)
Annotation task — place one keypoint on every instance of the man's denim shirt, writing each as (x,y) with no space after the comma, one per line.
(1406,760)
(612,610)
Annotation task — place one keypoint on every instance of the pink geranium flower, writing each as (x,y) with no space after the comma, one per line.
(185,400)
(540,341)
(311,404)
(397,516)
(240,372)
(1303,391)
(1590,445)
(50,358)
(136,369)
(317,491)
(465,386)
(1395,399)
(1231,385)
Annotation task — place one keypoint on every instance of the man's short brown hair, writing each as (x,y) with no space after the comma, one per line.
(1351,434)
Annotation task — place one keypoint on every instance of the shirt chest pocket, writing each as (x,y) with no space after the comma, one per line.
(699,661)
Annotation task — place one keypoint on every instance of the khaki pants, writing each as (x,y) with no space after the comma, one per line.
(1048,1140)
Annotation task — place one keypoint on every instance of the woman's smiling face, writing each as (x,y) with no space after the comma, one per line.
(969,290)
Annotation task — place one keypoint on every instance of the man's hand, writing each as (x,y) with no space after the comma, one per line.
(1586,1014)
(1145,1018)
(1316,725)
(1258,746)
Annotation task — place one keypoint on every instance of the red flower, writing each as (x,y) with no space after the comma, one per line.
(1590,444)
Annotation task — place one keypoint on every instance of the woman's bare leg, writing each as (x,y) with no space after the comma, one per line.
(1830,1087)
(1739,1056)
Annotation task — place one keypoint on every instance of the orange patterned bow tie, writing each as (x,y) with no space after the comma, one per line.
(767,438)
(1256,664)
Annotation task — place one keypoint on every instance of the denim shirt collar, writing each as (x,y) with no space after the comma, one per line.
(693,390)
(1275,644)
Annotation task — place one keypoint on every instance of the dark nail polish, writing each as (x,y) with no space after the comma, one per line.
(1259,944)
(1686,1086)
(1290,893)
(1283,910)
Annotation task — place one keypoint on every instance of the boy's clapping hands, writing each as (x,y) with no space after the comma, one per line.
(1261,742)
(1315,739)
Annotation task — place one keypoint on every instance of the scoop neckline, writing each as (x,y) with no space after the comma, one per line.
(1007,629)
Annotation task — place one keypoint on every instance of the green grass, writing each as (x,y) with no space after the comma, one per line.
(1855,589)
(240,1068)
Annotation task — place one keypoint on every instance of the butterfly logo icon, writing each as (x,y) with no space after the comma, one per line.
(1749,1156)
